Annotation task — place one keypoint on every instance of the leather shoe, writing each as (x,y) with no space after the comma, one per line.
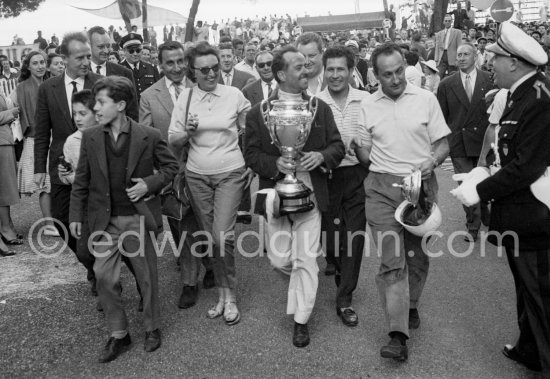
(152,340)
(414,318)
(330,269)
(208,280)
(188,297)
(512,353)
(395,349)
(6,253)
(348,316)
(114,347)
(301,335)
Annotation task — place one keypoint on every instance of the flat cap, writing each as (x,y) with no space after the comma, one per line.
(514,42)
(131,39)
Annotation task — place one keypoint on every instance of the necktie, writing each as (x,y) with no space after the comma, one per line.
(177,89)
(269,90)
(136,72)
(227,79)
(75,89)
(468,88)
(98,69)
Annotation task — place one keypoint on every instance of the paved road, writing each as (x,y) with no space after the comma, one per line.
(49,326)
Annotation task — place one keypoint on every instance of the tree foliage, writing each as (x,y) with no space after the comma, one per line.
(13,8)
(439,9)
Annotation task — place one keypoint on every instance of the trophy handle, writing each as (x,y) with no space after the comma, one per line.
(313,105)
(264,108)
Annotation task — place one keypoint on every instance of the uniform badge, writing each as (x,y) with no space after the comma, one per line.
(505,148)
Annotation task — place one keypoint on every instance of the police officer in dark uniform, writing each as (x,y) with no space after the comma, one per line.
(145,74)
(518,209)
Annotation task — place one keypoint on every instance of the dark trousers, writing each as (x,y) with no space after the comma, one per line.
(61,198)
(444,68)
(478,213)
(344,226)
(531,272)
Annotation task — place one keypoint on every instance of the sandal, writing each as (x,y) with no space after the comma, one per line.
(13,242)
(231,313)
(216,311)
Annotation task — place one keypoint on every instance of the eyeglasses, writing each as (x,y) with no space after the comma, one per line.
(206,70)
(132,51)
(263,64)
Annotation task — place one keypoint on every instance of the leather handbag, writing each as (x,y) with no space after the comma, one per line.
(174,200)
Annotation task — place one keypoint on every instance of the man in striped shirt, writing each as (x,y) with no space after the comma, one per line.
(344,224)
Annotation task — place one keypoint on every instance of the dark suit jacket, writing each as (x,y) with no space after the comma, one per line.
(239,80)
(254,92)
(261,154)
(116,69)
(363,68)
(149,159)
(524,139)
(467,121)
(53,121)
(146,77)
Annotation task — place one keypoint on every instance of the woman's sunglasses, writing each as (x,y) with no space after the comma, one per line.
(206,70)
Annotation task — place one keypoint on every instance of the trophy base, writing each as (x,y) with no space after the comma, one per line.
(294,198)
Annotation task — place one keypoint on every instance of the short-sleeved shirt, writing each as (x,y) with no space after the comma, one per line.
(402,131)
(214,148)
(496,108)
(347,119)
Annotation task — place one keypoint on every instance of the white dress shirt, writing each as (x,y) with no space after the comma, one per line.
(172,90)
(447,36)
(227,77)
(102,68)
(265,87)
(473,76)
(69,89)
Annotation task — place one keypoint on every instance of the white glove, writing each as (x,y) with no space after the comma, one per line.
(478,174)
(467,193)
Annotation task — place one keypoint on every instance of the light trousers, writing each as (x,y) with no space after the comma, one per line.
(293,245)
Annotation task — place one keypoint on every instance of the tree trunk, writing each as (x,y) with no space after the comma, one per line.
(190,27)
(145,24)
(439,11)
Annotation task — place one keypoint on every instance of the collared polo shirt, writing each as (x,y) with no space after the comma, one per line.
(401,132)
(214,148)
(347,119)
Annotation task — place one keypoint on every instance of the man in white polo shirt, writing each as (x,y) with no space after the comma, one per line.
(405,131)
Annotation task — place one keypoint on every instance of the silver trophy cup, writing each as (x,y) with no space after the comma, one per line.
(289,124)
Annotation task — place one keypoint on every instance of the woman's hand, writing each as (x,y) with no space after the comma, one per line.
(192,124)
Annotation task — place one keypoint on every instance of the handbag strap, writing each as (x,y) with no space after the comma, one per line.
(188,103)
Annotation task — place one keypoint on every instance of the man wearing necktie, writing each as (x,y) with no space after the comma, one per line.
(446,45)
(100,43)
(462,99)
(54,124)
(230,76)
(155,110)
(145,75)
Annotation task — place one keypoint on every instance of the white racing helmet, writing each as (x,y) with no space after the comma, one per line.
(422,223)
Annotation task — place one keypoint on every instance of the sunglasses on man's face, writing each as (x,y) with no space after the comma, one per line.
(132,51)
(263,64)
(206,70)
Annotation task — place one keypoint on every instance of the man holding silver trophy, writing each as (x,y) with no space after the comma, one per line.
(294,138)
(405,142)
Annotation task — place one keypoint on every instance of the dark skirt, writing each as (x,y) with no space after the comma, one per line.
(9,194)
